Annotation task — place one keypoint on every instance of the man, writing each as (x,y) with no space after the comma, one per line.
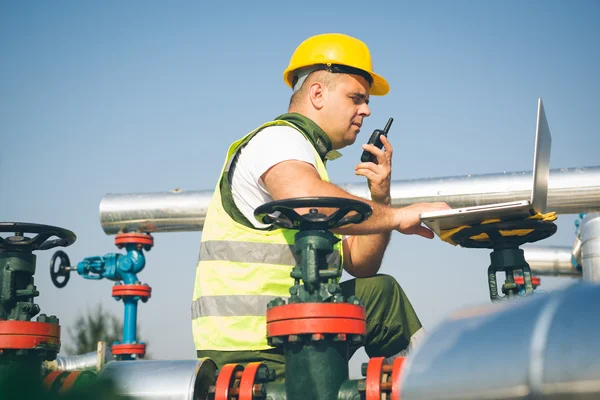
(244,264)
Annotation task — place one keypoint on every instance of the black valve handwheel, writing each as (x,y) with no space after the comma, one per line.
(282,213)
(20,242)
(60,274)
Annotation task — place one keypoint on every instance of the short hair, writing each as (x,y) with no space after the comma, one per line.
(329,79)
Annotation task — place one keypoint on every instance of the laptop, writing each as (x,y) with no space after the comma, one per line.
(438,221)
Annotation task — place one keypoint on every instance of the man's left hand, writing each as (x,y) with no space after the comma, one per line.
(378,175)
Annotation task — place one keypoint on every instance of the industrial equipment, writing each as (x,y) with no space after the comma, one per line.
(123,269)
(26,344)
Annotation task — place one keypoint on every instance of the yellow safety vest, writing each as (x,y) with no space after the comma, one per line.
(240,270)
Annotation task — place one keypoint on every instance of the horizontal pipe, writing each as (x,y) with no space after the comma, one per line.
(550,261)
(571,191)
(542,347)
(161,379)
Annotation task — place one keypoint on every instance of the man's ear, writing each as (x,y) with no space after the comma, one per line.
(317,94)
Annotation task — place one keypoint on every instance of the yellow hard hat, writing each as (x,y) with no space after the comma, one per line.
(336,52)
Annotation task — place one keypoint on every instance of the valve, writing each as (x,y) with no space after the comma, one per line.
(121,268)
(112,266)
(317,326)
(504,238)
(25,344)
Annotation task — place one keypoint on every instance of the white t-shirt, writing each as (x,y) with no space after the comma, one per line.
(267,148)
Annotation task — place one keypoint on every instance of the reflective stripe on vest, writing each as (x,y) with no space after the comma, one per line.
(240,270)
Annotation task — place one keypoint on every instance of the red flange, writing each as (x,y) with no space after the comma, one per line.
(535,280)
(53,380)
(142,291)
(396,375)
(373,381)
(28,334)
(304,318)
(316,325)
(69,381)
(314,310)
(247,381)
(129,348)
(226,380)
(144,239)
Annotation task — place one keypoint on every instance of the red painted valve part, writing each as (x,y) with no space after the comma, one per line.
(383,379)
(134,238)
(247,381)
(129,348)
(535,280)
(62,381)
(143,291)
(27,334)
(53,379)
(373,379)
(303,318)
(396,376)
(228,379)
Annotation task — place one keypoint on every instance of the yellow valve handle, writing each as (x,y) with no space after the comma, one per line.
(446,235)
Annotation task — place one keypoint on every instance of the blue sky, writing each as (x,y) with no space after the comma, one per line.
(128,97)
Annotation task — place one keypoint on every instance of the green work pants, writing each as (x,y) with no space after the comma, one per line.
(391,321)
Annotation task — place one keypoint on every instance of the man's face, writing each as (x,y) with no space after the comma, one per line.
(344,109)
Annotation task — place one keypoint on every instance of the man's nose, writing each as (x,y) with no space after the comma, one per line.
(366,111)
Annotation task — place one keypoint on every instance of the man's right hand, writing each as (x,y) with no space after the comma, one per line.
(409,222)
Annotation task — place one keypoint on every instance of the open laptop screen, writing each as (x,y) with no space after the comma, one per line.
(541,161)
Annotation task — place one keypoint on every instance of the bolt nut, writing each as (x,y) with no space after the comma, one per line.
(362,385)
(315,337)
(363,368)
(42,318)
(275,302)
(293,338)
(259,390)
(340,337)
(356,339)
(262,375)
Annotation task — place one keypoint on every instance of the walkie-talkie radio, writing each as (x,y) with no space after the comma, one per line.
(375,140)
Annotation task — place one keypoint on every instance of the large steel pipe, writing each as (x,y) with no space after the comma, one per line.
(161,379)
(550,261)
(571,190)
(544,347)
(590,247)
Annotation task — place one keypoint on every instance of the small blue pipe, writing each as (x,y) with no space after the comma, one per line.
(130,320)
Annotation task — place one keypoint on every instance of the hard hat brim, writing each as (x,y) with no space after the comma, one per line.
(380,86)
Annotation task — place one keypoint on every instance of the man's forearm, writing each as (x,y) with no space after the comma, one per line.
(367,254)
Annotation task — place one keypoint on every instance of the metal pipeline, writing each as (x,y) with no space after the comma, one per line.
(571,190)
(92,361)
(161,379)
(590,247)
(551,261)
(542,347)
